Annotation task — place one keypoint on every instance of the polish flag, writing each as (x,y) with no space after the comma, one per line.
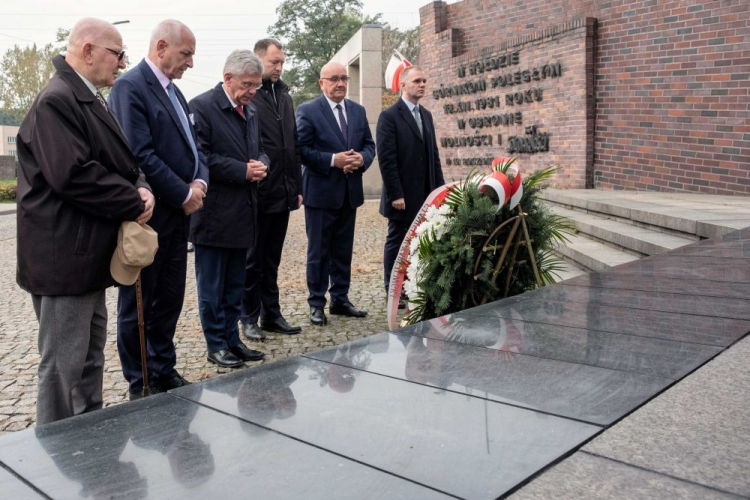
(393,72)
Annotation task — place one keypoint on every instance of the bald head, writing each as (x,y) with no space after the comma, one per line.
(332,68)
(91,30)
(171,31)
(171,48)
(334,81)
(93,48)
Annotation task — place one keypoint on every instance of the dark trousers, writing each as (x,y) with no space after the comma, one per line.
(397,230)
(330,242)
(261,296)
(220,275)
(72,334)
(163,295)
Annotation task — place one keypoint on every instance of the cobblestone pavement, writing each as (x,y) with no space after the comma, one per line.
(18,326)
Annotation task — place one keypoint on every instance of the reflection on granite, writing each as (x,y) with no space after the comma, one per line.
(662,358)
(691,267)
(592,316)
(166,447)
(596,395)
(15,489)
(718,249)
(467,447)
(688,287)
(724,307)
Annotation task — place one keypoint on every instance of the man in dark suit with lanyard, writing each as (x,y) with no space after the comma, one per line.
(158,123)
(409,162)
(336,147)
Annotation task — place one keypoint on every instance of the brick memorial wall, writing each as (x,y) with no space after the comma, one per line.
(635,95)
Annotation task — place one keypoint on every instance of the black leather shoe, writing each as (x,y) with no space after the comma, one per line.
(225,359)
(165,384)
(279,325)
(318,316)
(347,309)
(244,353)
(252,332)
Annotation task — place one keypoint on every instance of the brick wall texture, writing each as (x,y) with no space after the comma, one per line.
(663,103)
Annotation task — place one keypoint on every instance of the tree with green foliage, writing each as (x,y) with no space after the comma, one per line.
(312,33)
(24,71)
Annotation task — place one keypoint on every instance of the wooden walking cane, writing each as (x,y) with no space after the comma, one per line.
(142,334)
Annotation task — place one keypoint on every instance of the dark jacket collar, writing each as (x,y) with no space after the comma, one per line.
(69,75)
(278,87)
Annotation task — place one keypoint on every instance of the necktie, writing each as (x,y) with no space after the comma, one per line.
(100,97)
(342,124)
(240,111)
(185,126)
(418,118)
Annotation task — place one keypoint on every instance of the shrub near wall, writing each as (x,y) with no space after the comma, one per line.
(8,191)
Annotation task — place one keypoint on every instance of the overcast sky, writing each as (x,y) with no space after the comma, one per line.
(220,26)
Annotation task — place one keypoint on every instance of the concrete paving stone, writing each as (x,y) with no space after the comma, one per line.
(18,351)
(697,430)
(588,477)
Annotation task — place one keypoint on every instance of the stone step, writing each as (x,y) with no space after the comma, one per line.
(569,270)
(623,234)
(593,255)
(699,216)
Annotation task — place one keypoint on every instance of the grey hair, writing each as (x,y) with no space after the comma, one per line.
(169,30)
(243,62)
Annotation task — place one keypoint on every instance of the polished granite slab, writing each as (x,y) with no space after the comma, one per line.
(165,447)
(468,447)
(678,266)
(696,431)
(592,316)
(649,356)
(701,305)
(13,488)
(717,249)
(666,285)
(595,395)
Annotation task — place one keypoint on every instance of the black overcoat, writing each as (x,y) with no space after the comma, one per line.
(409,163)
(278,192)
(229,212)
(76,183)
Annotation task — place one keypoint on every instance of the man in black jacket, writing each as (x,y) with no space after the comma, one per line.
(278,194)
(77,182)
(228,133)
(409,162)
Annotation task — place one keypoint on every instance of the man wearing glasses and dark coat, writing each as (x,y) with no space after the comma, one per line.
(228,130)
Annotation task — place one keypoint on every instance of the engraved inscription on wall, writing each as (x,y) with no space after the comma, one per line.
(496,91)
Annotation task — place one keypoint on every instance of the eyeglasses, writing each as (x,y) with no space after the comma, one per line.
(337,79)
(120,55)
(251,85)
